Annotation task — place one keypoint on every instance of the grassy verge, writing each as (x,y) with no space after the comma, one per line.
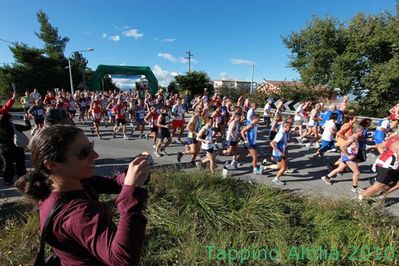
(198,219)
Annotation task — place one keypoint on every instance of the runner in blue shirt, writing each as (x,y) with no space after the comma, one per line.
(279,145)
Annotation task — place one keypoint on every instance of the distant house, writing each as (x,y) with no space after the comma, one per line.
(233,84)
(272,86)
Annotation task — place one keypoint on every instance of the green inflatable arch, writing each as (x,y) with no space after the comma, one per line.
(124,70)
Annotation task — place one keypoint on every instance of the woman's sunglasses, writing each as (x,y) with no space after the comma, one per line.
(84,152)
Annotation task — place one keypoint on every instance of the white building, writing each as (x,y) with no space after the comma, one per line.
(233,84)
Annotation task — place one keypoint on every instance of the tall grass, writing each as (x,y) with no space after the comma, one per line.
(196,219)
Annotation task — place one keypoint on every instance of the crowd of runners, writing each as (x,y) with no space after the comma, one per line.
(212,125)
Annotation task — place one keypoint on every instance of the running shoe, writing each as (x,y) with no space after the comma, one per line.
(308,146)
(179,141)
(316,145)
(234,164)
(140,136)
(157,154)
(113,135)
(100,137)
(106,125)
(198,164)
(277,182)
(179,155)
(146,137)
(163,152)
(372,180)
(327,180)
(258,171)
(289,170)
(125,137)
(154,146)
(357,190)
(92,130)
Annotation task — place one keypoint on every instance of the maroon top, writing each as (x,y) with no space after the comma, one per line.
(7,106)
(83,232)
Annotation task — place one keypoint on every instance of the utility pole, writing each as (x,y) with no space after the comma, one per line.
(189,60)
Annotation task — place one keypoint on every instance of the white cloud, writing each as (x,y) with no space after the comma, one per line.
(225,76)
(241,62)
(168,57)
(171,58)
(164,77)
(104,35)
(115,38)
(125,83)
(169,40)
(133,33)
(122,64)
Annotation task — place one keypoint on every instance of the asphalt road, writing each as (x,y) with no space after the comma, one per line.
(116,153)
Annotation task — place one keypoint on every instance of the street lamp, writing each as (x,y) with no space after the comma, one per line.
(252,80)
(70,68)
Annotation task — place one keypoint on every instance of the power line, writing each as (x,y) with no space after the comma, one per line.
(189,60)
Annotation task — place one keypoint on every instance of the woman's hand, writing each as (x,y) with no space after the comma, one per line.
(138,171)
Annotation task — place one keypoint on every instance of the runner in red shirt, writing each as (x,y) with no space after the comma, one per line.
(387,168)
(151,118)
(96,114)
(120,111)
(50,101)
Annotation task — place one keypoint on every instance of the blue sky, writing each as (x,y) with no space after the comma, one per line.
(224,36)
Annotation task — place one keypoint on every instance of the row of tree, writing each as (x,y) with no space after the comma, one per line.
(360,57)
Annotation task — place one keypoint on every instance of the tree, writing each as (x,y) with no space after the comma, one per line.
(360,57)
(195,82)
(54,45)
(41,68)
(108,84)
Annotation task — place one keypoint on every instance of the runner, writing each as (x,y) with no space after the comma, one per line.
(394,115)
(382,130)
(267,112)
(111,115)
(348,158)
(193,146)
(249,134)
(298,119)
(82,108)
(120,111)
(178,111)
(38,112)
(27,102)
(50,101)
(327,138)
(279,145)
(139,117)
(151,119)
(232,139)
(205,137)
(217,125)
(313,124)
(96,114)
(163,125)
(72,107)
(386,167)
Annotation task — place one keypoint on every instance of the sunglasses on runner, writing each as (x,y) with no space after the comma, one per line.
(84,152)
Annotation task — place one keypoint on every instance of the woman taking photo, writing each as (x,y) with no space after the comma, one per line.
(82,231)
